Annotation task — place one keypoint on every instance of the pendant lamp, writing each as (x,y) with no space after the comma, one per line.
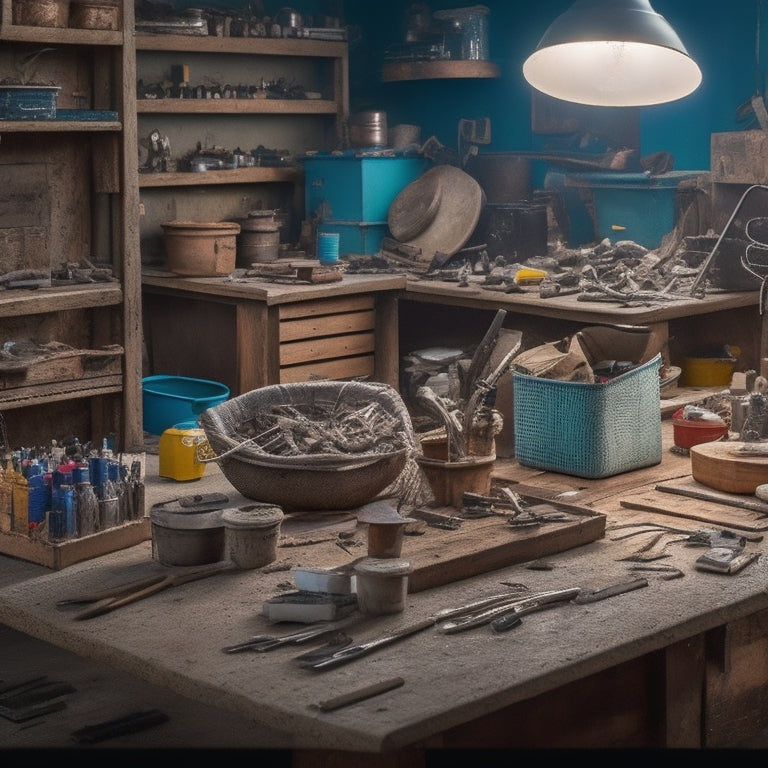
(612,53)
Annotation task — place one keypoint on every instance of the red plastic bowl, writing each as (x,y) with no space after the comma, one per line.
(688,432)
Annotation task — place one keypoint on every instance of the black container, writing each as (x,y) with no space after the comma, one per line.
(516,231)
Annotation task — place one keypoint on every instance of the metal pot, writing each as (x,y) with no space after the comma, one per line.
(368,129)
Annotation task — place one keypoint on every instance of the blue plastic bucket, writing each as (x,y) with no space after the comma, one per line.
(171,400)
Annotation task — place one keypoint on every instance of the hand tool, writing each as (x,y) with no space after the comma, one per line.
(583,597)
(110,599)
(263,643)
(345,655)
(345,699)
(121,726)
(535,602)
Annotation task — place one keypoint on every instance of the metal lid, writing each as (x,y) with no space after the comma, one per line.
(385,567)
(197,512)
(186,519)
(252,516)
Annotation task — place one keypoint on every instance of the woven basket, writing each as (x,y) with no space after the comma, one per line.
(589,430)
(322,480)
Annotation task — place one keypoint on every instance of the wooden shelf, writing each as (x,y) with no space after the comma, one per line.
(57,126)
(72,195)
(60,36)
(237,106)
(14,303)
(234,176)
(265,46)
(438,70)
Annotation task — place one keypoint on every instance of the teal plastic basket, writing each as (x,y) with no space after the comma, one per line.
(171,400)
(589,430)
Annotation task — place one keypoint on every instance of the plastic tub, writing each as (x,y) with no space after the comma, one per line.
(171,400)
(689,432)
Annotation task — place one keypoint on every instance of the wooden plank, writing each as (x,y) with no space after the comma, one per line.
(343,368)
(694,509)
(736,697)
(387,343)
(330,306)
(684,673)
(687,486)
(326,349)
(60,366)
(66,553)
(327,325)
(479,546)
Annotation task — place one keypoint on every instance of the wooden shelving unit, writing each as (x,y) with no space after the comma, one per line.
(292,124)
(73,199)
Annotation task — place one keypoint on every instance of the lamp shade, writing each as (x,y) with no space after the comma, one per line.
(612,53)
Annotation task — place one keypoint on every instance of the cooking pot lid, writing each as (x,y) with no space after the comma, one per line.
(437,212)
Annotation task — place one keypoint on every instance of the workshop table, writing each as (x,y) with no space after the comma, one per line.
(437,311)
(679,663)
(249,333)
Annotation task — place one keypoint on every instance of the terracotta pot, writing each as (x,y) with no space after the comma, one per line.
(201,249)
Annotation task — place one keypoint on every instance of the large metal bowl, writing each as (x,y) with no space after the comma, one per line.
(316,481)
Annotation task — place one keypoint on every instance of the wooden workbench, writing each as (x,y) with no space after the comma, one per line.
(251,333)
(679,663)
(431,308)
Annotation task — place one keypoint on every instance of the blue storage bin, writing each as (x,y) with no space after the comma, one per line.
(28,102)
(349,188)
(589,430)
(357,237)
(631,206)
(171,400)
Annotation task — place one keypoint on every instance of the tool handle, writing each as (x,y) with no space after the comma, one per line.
(345,699)
(356,651)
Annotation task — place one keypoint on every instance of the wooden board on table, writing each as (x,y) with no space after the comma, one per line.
(673,398)
(481,545)
(680,503)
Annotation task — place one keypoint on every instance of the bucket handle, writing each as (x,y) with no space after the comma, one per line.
(205,454)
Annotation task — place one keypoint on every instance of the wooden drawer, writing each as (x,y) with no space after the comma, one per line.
(327,338)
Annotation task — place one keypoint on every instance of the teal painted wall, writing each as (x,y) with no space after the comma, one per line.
(720,36)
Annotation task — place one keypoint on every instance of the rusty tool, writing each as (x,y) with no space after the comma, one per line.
(353,697)
(111,599)
(519,607)
(345,655)
(582,597)
(262,643)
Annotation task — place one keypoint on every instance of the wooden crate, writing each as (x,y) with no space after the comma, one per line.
(65,553)
(327,338)
(60,554)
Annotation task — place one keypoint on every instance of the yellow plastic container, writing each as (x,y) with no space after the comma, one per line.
(178,453)
(709,371)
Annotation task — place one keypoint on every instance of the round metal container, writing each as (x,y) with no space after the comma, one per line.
(187,536)
(259,238)
(382,585)
(251,534)
(368,129)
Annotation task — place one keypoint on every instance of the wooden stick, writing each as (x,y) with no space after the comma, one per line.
(361,694)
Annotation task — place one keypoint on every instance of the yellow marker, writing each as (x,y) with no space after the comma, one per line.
(617,228)
(529,276)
